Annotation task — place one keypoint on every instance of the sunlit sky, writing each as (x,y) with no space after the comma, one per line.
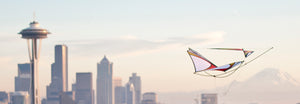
(150,37)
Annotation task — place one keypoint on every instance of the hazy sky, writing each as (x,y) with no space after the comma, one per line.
(150,37)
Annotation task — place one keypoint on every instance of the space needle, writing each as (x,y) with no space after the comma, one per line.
(34,34)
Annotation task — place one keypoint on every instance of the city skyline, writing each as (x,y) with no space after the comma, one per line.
(151,38)
(57,91)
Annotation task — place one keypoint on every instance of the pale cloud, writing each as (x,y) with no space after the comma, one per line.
(129,37)
(130,45)
(236,13)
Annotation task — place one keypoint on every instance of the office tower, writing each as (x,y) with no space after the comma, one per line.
(52,101)
(130,93)
(20,97)
(209,99)
(74,87)
(84,93)
(136,81)
(104,82)
(44,101)
(67,98)
(120,95)
(4,97)
(35,34)
(149,98)
(59,69)
(117,81)
(59,74)
(71,94)
(22,81)
(119,91)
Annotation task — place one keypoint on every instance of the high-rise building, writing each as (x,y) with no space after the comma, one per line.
(209,98)
(119,91)
(130,94)
(60,67)
(74,87)
(117,81)
(22,81)
(149,98)
(71,94)
(67,98)
(59,74)
(44,101)
(104,82)
(20,97)
(84,93)
(120,95)
(136,81)
(4,97)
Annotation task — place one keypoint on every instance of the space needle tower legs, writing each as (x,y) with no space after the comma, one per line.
(34,33)
(34,73)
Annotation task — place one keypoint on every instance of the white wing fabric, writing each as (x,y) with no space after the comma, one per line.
(200,62)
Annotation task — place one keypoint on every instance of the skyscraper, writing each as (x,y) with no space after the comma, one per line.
(20,97)
(136,81)
(104,82)
(120,95)
(119,91)
(149,98)
(67,98)
(22,81)
(4,97)
(59,74)
(209,99)
(84,93)
(117,81)
(60,67)
(130,93)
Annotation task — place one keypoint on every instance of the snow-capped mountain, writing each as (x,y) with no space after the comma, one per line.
(273,77)
(269,85)
(267,80)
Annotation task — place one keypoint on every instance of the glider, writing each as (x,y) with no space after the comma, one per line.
(205,67)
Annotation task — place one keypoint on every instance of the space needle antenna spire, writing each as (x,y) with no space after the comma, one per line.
(34,16)
(34,34)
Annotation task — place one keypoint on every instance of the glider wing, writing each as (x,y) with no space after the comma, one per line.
(227,67)
(246,52)
(235,49)
(200,62)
